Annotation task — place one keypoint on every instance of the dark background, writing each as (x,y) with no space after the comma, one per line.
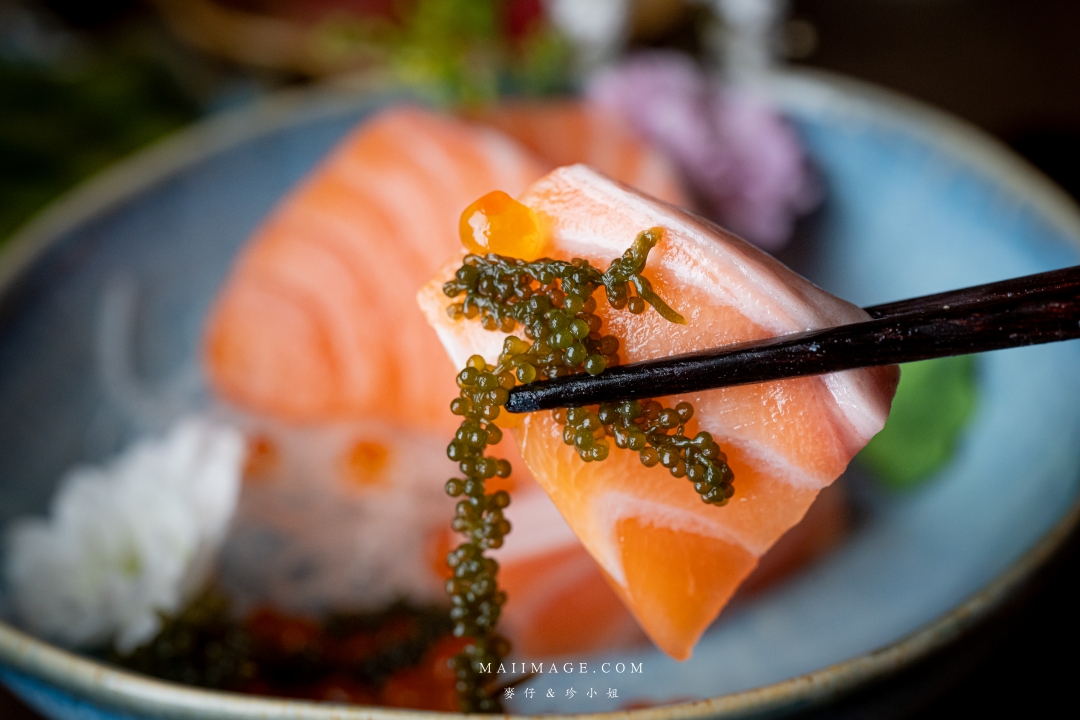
(1011,67)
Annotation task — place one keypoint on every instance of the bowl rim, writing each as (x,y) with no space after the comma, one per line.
(814,91)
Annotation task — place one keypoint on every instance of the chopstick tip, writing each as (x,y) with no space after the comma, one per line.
(521,401)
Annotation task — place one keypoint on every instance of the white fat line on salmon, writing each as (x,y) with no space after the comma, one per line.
(305,290)
(344,252)
(864,410)
(782,301)
(412,211)
(757,453)
(784,309)
(792,303)
(356,341)
(852,390)
(349,245)
(429,154)
(610,508)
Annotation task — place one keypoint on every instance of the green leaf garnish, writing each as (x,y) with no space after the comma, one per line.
(932,406)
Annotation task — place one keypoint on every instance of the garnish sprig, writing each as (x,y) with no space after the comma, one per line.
(658,435)
(473,589)
(553,301)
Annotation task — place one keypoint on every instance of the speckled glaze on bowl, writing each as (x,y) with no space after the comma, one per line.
(917,202)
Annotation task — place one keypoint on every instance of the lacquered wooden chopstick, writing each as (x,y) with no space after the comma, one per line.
(1029,310)
(1003,290)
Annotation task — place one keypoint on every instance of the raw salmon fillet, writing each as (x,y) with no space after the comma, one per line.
(674,560)
(317,321)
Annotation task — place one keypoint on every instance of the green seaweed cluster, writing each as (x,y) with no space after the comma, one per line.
(554,302)
(657,434)
(933,405)
(200,645)
(206,645)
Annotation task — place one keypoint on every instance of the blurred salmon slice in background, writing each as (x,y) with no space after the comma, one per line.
(344,389)
(566,132)
(317,320)
(674,560)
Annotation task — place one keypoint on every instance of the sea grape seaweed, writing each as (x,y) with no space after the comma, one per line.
(205,645)
(552,300)
(200,645)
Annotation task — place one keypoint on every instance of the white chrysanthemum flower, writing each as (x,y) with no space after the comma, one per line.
(127,541)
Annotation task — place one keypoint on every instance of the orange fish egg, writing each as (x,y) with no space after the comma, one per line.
(262,457)
(497,223)
(365,462)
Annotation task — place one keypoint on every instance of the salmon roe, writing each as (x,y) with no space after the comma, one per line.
(497,223)
(365,462)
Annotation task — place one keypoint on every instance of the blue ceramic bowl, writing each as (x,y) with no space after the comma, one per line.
(917,203)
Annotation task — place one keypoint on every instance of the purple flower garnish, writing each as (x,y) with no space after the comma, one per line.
(743,161)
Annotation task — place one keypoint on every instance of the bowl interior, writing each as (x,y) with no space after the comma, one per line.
(906,214)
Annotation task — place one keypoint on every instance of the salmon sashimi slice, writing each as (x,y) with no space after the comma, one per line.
(674,560)
(317,321)
(565,132)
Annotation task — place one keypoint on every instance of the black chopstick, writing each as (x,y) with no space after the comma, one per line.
(1029,310)
(968,297)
